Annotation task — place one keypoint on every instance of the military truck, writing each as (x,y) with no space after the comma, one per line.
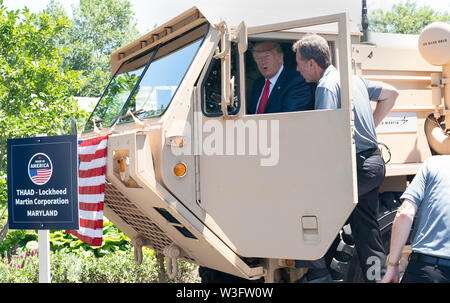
(193,176)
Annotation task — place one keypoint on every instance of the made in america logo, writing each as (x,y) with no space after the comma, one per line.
(40,169)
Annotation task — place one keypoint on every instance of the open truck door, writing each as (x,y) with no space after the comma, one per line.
(274,185)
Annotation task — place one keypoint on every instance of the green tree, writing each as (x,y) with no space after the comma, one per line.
(35,87)
(405,18)
(98,28)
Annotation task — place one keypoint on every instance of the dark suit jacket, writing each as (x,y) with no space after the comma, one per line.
(290,93)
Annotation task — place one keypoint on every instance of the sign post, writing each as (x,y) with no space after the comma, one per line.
(43,189)
(44,255)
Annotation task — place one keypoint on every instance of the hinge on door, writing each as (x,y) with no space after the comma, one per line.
(197,181)
(197,144)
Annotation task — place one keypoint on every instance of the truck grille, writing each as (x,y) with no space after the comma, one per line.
(129,213)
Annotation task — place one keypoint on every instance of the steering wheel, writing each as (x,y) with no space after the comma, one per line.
(213,99)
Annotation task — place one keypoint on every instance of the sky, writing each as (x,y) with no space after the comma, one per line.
(151,12)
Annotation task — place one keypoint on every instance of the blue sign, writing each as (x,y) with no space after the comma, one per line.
(43,183)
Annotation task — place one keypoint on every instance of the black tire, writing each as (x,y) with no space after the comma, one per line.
(209,275)
(344,262)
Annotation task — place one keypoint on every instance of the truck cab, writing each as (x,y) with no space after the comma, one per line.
(193,175)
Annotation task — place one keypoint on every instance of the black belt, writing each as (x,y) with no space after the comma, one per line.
(369,152)
(430,259)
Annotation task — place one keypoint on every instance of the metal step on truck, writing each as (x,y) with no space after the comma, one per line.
(195,177)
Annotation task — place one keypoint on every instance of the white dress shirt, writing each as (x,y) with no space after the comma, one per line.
(272,80)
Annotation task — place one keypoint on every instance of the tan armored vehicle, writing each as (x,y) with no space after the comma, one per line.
(193,176)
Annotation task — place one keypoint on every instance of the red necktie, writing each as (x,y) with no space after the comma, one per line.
(264,97)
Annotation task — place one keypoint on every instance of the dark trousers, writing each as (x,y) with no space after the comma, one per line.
(363,221)
(419,271)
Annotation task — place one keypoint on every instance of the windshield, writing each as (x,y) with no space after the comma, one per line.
(160,82)
(145,85)
(116,94)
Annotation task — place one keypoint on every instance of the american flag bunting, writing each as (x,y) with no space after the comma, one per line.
(91,189)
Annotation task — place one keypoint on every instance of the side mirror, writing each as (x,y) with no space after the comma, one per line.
(239,35)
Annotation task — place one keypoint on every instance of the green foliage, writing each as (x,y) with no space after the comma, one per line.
(75,261)
(35,88)
(113,241)
(76,267)
(405,18)
(14,239)
(113,268)
(113,100)
(3,192)
(42,59)
(3,199)
(98,28)
(76,264)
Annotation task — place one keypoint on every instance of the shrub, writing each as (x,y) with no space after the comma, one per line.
(20,266)
(112,268)
(82,266)
(118,267)
(15,239)
(113,240)
(73,261)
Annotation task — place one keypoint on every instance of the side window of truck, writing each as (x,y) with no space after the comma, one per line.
(212,87)
(253,74)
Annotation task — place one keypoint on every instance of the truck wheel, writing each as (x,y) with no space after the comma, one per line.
(209,275)
(344,263)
